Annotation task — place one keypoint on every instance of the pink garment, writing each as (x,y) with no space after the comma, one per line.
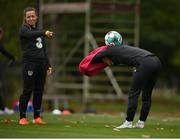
(88,68)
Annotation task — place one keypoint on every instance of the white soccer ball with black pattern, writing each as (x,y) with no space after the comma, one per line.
(113,38)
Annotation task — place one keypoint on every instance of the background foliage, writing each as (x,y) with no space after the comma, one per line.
(160,30)
(159,33)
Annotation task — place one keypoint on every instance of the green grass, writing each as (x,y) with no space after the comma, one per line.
(87,126)
(161,103)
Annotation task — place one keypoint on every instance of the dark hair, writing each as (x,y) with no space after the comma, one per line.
(25,11)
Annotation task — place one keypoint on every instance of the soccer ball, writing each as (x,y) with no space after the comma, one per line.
(113,38)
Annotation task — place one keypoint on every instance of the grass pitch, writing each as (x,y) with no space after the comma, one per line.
(87,126)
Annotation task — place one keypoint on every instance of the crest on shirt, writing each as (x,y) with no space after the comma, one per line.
(30,73)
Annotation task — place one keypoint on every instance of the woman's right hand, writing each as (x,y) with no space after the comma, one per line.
(49,33)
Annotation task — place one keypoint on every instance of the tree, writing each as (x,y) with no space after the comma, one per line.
(160,30)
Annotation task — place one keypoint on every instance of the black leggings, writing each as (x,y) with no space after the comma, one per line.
(34,76)
(144,79)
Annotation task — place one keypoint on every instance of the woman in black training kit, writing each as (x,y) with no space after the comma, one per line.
(3,108)
(144,78)
(35,65)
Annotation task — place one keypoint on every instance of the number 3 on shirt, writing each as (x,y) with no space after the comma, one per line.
(39,43)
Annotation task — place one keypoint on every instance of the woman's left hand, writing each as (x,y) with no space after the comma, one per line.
(49,71)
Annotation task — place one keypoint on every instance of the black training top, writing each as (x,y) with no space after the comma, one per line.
(5,52)
(33,44)
(124,54)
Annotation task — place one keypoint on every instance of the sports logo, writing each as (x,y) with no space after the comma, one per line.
(30,73)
